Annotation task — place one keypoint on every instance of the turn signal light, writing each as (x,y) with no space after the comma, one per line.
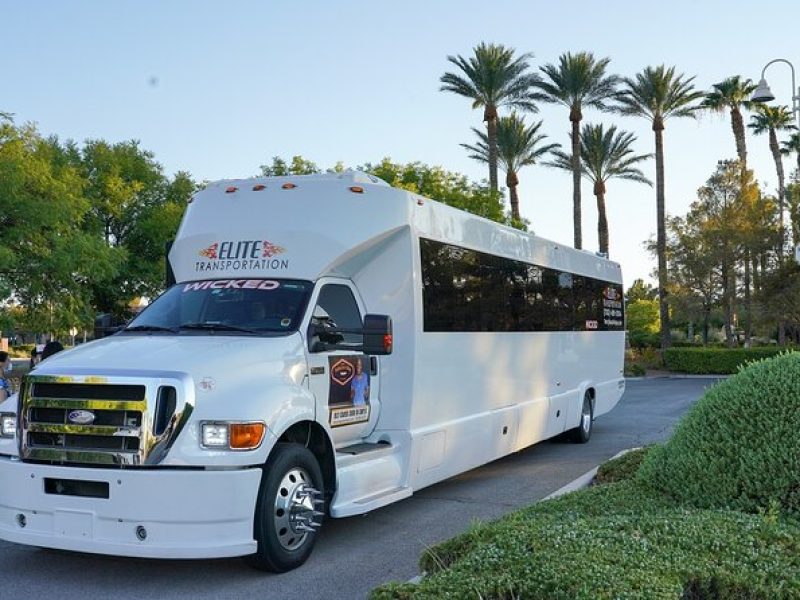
(288,186)
(258,187)
(230,190)
(357,189)
(388,342)
(246,435)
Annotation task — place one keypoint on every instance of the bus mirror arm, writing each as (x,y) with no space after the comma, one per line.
(377,334)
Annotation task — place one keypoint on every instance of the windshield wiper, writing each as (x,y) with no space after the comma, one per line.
(151,328)
(215,327)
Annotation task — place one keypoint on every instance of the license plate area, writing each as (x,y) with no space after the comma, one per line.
(76,487)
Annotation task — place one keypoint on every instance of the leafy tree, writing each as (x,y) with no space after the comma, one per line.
(771,119)
(518,145)
(641,319)
(605,155)
(733,94)
(48,258)
(579,80)
(298,166)
(448,187)
(656,94)
(640,290)
(491,78)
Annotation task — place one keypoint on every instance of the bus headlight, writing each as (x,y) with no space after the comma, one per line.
(8,425)
(221,435)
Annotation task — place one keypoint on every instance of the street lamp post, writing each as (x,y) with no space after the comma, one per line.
(764,94)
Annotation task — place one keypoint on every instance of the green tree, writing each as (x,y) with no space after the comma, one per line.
(656,94)
(298,166)
(491,78)
(771,119)
(444,186)
(641,320)
(640,290)
(518,145)
(578,81)
(733,94)
(605,155)
(48,257)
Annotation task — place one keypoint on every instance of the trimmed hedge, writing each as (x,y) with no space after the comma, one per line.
(739,445)
(714,361)
(621,468)
(613,541)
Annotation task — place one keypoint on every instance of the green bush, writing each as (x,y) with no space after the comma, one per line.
(721,361)
(622,468)
(614,541)
(739,446)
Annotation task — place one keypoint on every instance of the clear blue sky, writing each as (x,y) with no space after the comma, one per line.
(217,88)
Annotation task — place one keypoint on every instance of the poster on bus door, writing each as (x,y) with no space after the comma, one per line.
(348,399)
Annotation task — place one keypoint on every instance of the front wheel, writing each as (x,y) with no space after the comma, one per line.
(289,509)
(582,433)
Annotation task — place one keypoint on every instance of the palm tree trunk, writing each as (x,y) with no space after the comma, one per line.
(661,237)
(748,307)
(737,124)
(575,118)
(776,156)
(512,181)
(490,116)
(602,221)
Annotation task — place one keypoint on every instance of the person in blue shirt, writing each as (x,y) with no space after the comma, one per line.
(359,386)
(5,365)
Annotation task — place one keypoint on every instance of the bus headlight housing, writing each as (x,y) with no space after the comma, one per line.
(8,425)
(229,435)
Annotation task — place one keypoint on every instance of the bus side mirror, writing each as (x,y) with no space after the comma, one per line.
(378,334)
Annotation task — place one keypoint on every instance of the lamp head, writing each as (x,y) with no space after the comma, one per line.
(762,93)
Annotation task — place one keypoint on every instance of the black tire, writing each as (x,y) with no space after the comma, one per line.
(287,460)
(583,432)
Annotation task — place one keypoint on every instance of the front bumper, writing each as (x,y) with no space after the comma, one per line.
(186,513)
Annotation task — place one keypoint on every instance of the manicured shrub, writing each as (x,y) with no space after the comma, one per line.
(739,446)
(622,468)
(614,541)
(709,360)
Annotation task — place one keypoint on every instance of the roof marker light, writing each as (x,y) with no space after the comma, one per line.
(191,199)
(288,186)
(258,187)
(420,202)
(356,189)
(231,189)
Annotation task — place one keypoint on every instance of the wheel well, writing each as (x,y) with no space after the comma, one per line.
(313,436)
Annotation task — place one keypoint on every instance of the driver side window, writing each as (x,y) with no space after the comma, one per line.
(336,307)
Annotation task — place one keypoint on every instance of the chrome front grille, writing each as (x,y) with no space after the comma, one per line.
(90,421)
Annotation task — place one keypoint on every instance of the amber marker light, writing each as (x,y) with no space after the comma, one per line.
(356,189)
(288,186)
(258,187)
(245,436)
(231,189)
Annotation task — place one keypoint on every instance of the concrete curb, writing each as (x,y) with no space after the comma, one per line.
(573,486)
(678,376)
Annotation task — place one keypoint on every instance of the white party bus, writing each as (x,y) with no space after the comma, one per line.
(331,345)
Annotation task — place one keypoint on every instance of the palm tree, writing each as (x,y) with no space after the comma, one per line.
(733,93)
(658,93)
(792,145)
(579,80)
(518,145)
(605,155)
(772,119)
(492,78)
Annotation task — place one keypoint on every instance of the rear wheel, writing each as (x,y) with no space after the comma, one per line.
(583,432)
(289,510)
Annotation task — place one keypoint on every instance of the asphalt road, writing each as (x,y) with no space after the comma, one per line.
(356,554)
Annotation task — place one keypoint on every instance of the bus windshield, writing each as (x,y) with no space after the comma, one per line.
(244,306)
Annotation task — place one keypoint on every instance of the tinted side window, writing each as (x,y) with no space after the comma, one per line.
(337,307)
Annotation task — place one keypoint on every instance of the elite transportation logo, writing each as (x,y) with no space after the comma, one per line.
(240,255)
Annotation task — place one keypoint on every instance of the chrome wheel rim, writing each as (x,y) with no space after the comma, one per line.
(586,417)
(295,509)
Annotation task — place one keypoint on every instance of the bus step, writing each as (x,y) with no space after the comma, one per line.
(363,448)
